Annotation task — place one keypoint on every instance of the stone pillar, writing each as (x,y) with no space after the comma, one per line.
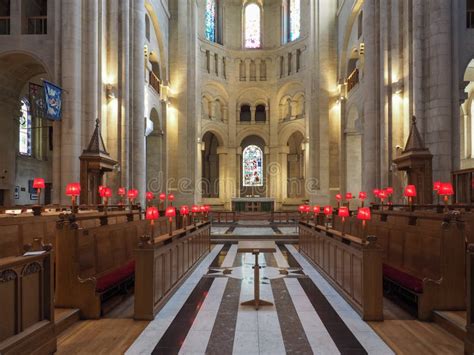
(138,174)
(252,113)
(283,160)
(71,14)
(222,153)
(238,170)
(91,77)
(247,69)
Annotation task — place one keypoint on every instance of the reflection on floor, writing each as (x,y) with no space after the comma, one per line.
(205,316)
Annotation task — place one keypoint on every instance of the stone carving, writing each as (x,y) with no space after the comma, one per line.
(7,275)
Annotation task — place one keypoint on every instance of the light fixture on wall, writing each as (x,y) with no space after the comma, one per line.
(110,92)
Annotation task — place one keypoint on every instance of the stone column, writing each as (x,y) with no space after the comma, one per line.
(284,151)
(222,153)
(247,69)
(238,170)
(71,14)
(91,77)
(138,173)
(252,113)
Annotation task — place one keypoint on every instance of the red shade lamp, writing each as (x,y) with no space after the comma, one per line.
(364,215)
(171,199)
(410,192)
(151,215)
(195,209)
(38,184)
(184,211)
(327,212)
(362,197)
(446,190)
(149,196)
(170,212)
(338,199)
(349,196)
(343,212)
(73,190)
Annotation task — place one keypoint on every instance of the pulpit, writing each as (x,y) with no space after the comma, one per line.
(416,160)
(95,162)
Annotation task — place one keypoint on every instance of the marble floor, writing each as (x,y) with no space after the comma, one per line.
(307,316)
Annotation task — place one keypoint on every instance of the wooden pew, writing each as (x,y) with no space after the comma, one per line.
(93,261)
(18,231)
(352,266)
(162,262)
(26,305)
(424,256)
(469,339)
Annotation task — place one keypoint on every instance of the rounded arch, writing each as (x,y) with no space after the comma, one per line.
(347,36)
(252,131)
(295,165)
(159,36)
(250,17)
(210,166)
(288,129)
(154,153)
(353,122)
(215,130)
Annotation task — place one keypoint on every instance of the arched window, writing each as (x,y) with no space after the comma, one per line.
(25,128)
(252,166)
(211,20)
(260,114)
(252,31)
(245,113)
(294,15)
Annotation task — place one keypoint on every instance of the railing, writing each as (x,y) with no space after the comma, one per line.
(155,82)
(4,25)
(162,262)
(470,19)
(26,294)
(353,79)
(351,265)
(37,25)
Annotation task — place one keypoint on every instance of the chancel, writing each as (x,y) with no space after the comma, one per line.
(236,177)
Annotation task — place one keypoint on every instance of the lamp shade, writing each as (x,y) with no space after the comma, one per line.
(207,208)
(328,210)
(170,197)
(73,189)
(202,209)
(121,191)
(38,183)
(376,192)
(343,212)
(316,209)
(105,192)
(348,196)
(362,195)
(446,189)
(184,210)
(339,197)
(364,214)
(152,213)
(149,196)
(383,194)
(195,209)
(410,191)
(100,188)
(389,190)
(302,208)
(132,194)
(162,196)
(436,185)
(170,212)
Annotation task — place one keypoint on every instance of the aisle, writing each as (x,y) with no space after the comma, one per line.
(308,316)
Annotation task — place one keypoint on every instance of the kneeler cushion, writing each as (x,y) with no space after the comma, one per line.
(406,280)
(111,279)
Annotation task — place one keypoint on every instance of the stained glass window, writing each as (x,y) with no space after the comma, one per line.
(211,17)
(295,19)
(25,128)
(252,26)
(252,166)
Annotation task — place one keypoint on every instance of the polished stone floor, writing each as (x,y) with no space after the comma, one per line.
(308,315)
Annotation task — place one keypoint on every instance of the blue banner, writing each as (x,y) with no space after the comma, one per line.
(53,100)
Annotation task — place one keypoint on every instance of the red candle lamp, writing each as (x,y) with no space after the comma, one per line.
(171,199)
(446,190)
(184,211)
(343,212)
(338,199)
(73,190)
(38,184)
(389,191)
(132,194)
(151,215)
(349,196)
(327,212)
(170,212)
(195,209)
(364,215)
(410,192)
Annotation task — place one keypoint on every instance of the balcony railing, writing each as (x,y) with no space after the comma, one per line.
(37,25)
(470,18)
(352,80)
(155,83)
(4,25)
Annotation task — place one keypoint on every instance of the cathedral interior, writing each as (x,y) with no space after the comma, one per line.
(237,176)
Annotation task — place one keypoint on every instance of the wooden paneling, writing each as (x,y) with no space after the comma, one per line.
(350,264)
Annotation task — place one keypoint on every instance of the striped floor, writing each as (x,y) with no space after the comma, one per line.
(308,315)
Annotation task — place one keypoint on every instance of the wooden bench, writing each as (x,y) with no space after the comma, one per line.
(424,256)
(162,262)
(352,266)
(27,310)
(94,262)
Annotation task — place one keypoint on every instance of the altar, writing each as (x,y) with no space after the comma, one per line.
(253,204)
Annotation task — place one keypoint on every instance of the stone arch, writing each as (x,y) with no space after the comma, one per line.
(295,165)
(252,131)
(246,141)
(347,36)
(154,154)
(19,69)
(216,131)
(160,38)
(210,166)
(353,150)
